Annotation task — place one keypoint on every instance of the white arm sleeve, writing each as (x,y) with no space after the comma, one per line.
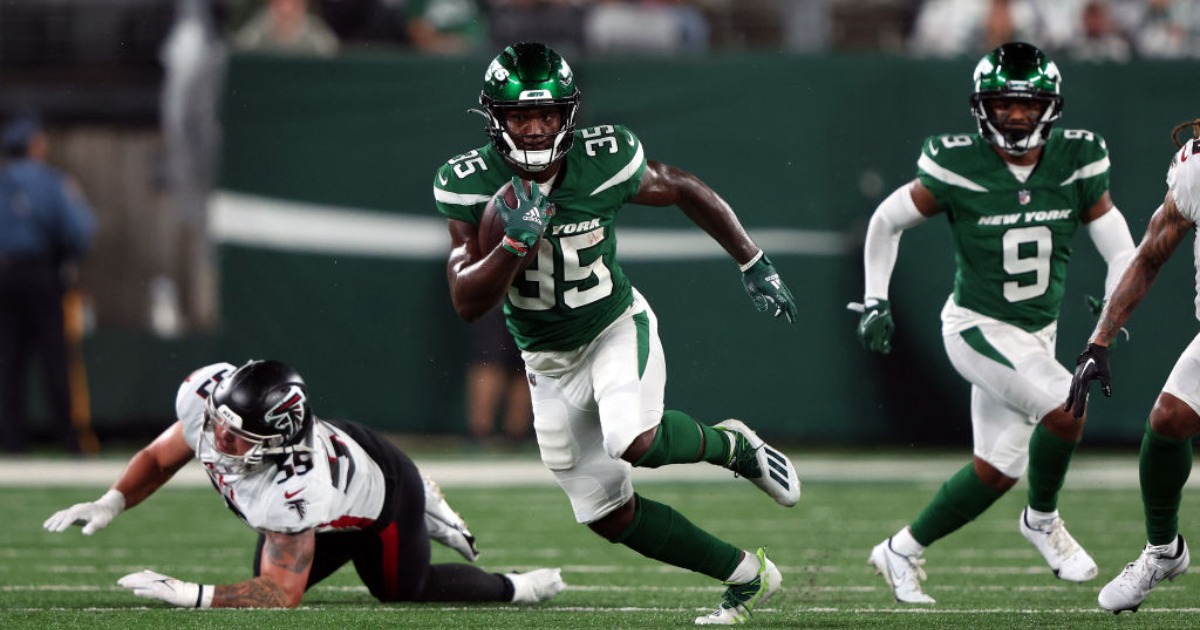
(1111,235)
(894,215)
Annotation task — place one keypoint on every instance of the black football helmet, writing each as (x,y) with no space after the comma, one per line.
(264,403)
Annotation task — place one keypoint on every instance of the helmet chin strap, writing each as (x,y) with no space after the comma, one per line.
(534,161)
(1020,147)
(1034,139)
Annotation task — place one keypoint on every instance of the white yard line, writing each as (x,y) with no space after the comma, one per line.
(1087,471)
(545,609)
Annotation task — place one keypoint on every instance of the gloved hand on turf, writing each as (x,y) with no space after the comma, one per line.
(1092,365)
(524,224)
(875,327)
(767,290)
(175,592)
(93,516)
(1096,306)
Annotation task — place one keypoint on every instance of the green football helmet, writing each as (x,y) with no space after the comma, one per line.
(1016,71)
(529,75)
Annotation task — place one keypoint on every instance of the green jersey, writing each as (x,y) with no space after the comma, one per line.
(1012,239)
(575,288)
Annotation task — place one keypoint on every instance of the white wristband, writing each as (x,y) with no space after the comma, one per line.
(114,500)
(753,261)
(206,596)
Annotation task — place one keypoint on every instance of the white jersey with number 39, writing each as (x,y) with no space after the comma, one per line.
(335,486)
(1183,180)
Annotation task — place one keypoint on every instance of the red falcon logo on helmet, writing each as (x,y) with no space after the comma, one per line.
(288,415)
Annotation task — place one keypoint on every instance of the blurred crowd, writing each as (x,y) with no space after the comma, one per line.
(443,27)
(1116,30)
(1084,29)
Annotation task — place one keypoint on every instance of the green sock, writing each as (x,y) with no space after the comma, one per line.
(660,533)
(1164,465)
(962,498)
(682,440)
(1049,457)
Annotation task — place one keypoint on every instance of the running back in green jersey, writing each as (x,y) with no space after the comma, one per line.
(1012,239)
(575,288)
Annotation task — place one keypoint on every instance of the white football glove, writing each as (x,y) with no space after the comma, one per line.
(175,592)
(93,516)
(535,586)
(445,525)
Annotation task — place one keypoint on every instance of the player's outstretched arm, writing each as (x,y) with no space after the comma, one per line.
(286,562)
(907,207)
(666,185)
(146,472)
(1166,230)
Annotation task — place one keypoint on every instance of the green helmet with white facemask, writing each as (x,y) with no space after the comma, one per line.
(529,75)
(1016,71)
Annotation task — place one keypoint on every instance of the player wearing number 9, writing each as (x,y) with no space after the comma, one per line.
(591,347)
(320,493)
(1014,193)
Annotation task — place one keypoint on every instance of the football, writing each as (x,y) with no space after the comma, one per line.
(491,225)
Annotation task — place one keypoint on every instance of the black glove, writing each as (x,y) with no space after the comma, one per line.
(1091,365)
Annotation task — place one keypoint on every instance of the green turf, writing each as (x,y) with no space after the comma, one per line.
(985,576)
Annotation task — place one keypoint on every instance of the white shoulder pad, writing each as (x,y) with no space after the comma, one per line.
(1183,179)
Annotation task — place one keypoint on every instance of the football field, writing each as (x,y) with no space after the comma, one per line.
(984,576)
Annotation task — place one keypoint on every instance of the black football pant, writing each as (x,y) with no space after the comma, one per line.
(392,556)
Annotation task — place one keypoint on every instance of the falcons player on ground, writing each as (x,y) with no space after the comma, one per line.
(320,493)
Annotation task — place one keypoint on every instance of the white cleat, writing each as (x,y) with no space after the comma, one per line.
(1157,563)
(1065,556)
(445,525)
(536,586)
(740,599)
(902,573)
(763,465)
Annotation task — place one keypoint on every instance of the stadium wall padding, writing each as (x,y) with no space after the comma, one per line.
(792,142)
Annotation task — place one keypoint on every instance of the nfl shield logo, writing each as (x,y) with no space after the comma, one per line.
(1023,197)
